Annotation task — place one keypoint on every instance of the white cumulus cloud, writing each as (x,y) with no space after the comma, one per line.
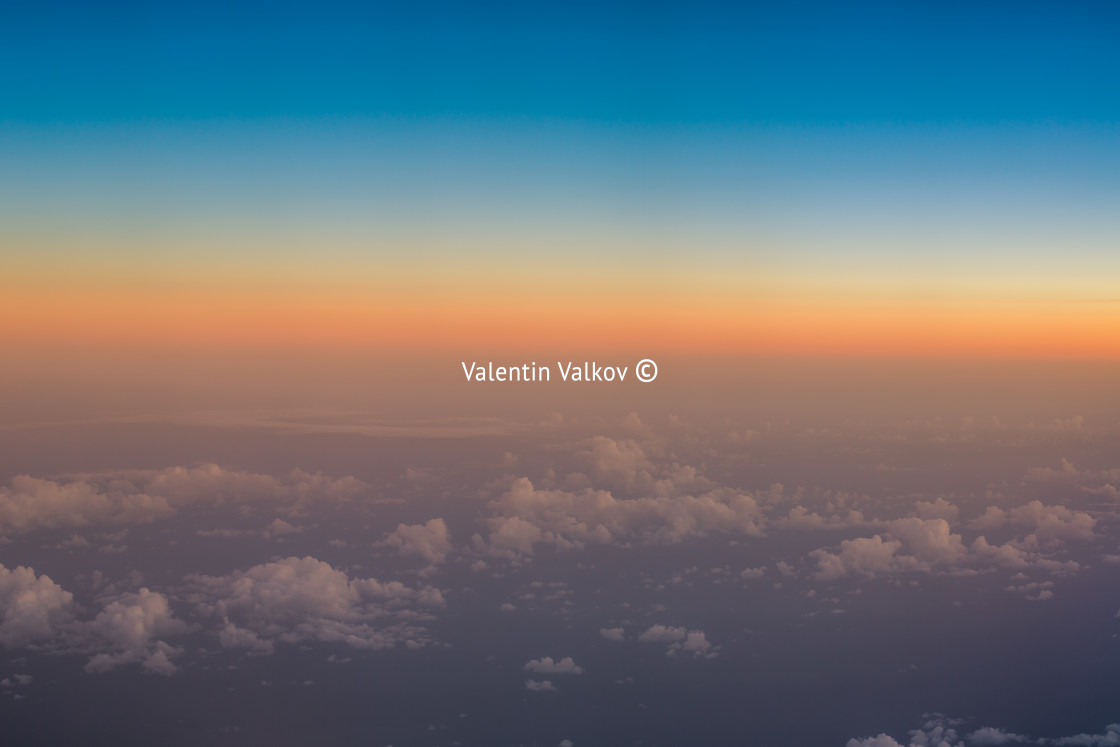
(431,542)
(305,599)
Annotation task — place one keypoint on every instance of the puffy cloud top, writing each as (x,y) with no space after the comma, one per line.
(525,517)
(31,607)
(301,599)
(431,542)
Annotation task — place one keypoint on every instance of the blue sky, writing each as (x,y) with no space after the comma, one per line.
(806,63)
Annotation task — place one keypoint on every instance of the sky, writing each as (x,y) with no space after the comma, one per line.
(251,493)
(933,180)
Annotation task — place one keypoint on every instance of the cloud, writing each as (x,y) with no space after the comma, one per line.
(1067,471)
(620,464)
(662,634)
(548,666)
(989,736)
(680,640)
(1109,738)
(31,503)
(280,528)
(751,573)
(936,731)
(1005,556)
(35,611)
(993,518)
(131,628)
(525,517)
(863,556)
(305,599)
(618,634)
(277,528)
(231,636)
(32,608)
(938,509)
(1053,522)
(73,542)
(624,466)
(139,497)
(1035,591)
(540,686)
(880,741)
(800,517)
(1108,490)
(916,544)
(431,542)
(939,731)
(695,643)
(929,544)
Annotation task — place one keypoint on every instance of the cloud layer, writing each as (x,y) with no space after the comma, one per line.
(140,497)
